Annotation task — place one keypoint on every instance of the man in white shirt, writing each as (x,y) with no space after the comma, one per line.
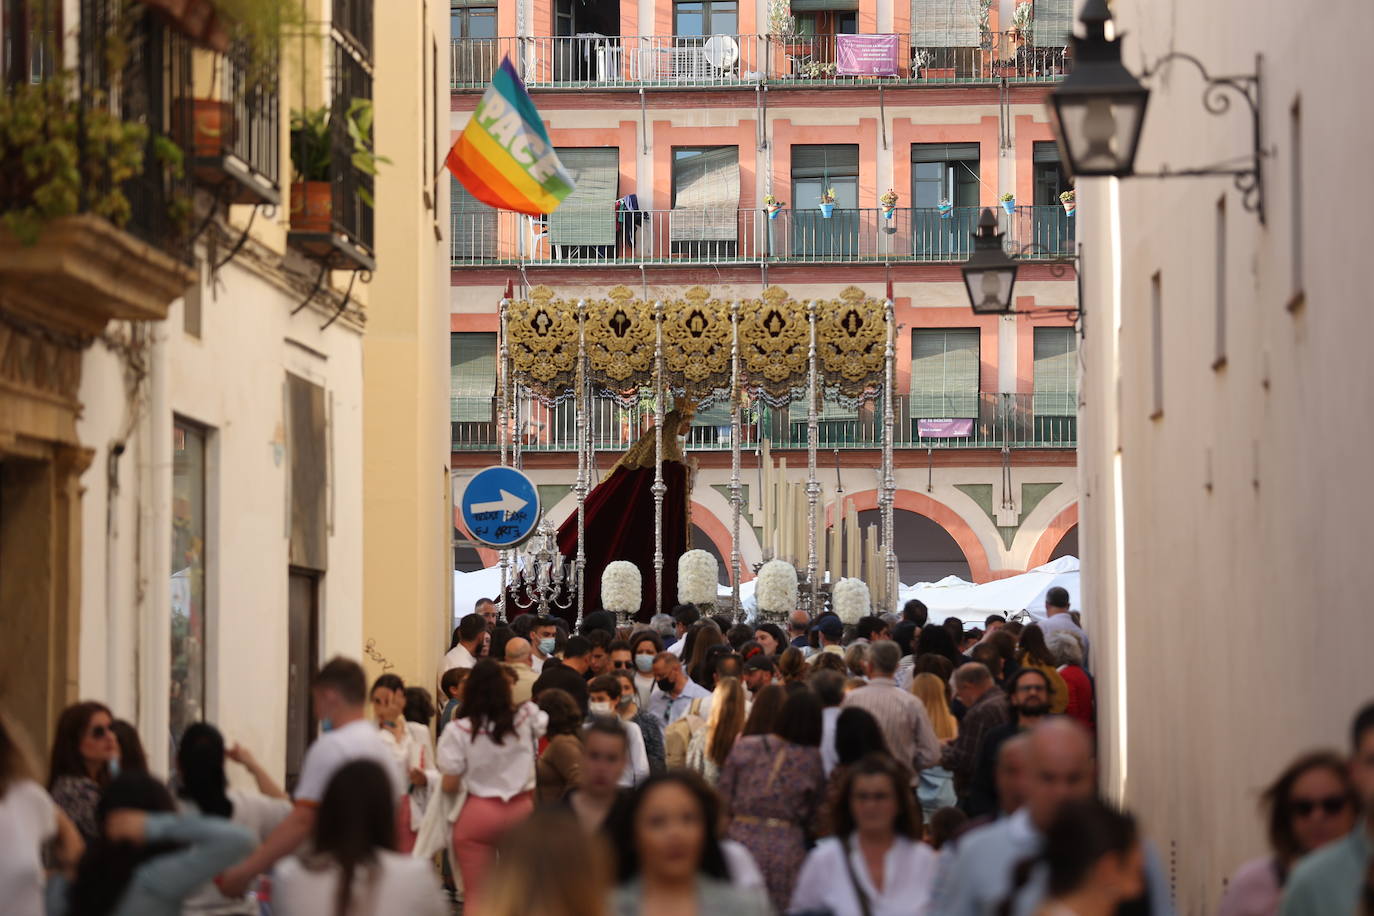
(544,639)
(339,694)
(1059,618)
(829,687)
(683,616)
(675,689)
(467,644)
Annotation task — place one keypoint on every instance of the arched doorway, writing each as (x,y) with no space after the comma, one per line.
(1067,546)
(926,552)
(702,541)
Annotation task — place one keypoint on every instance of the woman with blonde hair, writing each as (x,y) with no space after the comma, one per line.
(574,869)
(936,787)
(712,744)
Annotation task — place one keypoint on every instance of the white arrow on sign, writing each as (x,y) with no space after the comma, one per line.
(509,503)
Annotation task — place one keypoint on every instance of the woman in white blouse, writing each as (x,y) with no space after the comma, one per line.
(876,863)
(489,752)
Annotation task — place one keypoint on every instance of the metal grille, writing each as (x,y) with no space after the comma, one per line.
(352,79)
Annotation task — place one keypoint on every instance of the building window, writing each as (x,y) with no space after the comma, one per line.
(472,387)
(1295,214)
(699,18)
(472,20)
(584,225)
(945,36)
(1219,359)
(1054,404)
(473,223)
(815,168)
(705,217)
(944,172)
(944,373)
(1156,347)
(811,23)
(189,536)
(473,33)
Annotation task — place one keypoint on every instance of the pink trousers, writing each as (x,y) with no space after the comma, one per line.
(475,834)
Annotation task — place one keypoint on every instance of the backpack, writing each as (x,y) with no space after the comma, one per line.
(678,736)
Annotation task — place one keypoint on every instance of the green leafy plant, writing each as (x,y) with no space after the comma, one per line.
(1007,197)
(312,138)
(889,198)
(780,21)
(1068,196)
(828,196)
(260,26)
(818,69)
(46,163)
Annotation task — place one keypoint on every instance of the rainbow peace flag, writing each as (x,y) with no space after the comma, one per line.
(504,157)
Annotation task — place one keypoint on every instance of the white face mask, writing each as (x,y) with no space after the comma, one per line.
(600,709)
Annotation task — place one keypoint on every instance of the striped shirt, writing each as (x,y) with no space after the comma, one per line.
(903,719)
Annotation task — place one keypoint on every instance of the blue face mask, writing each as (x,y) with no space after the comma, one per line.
(644,663)
(326,724)
(546,645)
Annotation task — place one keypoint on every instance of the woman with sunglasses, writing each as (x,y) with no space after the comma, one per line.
(1311,803)
(85,755)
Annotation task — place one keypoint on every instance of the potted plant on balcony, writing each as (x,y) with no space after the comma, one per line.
(946,208)
(772,205)
(1008,203)
(889,203)
(312,200)
(1069,200)
(828,202)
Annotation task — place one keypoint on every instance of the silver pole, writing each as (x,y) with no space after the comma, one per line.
(735,407)
(889,478)
(813,486)
(503,430)
(659,487)
(582,426)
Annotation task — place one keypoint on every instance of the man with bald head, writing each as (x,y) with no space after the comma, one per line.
(979,876)
(519,655)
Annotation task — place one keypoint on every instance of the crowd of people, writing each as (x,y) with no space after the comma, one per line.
(690,765)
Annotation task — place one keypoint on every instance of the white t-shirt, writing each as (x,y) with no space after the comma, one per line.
(358,740)
(908,875)
(489,769)
(28,818)
(402,885)
(259,814)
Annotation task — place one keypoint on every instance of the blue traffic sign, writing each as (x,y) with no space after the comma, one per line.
(500,506)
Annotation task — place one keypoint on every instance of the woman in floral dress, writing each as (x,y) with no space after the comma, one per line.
(772,785)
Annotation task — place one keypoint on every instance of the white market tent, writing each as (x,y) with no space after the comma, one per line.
(950,597)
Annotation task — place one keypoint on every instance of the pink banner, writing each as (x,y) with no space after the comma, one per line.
(944,429)
(866,55)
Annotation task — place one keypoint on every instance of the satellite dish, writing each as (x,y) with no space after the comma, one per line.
(721,51)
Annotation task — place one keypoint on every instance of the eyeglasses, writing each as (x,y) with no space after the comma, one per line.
(1027,688)
(1331,805)
(98,732)
(622,664)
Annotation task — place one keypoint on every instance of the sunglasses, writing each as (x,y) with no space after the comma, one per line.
(98,732)
(1331,805)
(622,665)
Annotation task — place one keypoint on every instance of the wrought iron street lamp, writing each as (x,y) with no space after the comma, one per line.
(988,273)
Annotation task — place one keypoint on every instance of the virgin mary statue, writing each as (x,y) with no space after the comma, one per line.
(619,515)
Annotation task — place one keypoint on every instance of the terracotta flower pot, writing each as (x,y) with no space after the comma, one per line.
(211,130)
(312,206)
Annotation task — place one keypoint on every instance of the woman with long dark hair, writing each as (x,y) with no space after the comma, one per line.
(857,735)
(559,767)
(147,859)
(935,638)
(354,869)
(1311,803)
(204,789)
(697,662)
(489,751)
(132,757)
(763,715)
(670,860)
(85,753)
(773,785)
(876,818)
(1035,654)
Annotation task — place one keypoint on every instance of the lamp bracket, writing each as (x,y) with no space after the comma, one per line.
(1216,99)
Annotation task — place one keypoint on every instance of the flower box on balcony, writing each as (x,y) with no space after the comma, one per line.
(312,207)
(937,73)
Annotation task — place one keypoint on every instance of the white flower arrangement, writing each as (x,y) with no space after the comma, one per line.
(850,599)
(776,590)
(697,576)
(621,587)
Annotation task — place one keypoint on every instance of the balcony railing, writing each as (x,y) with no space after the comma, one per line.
(235,143)
(668,61)
(574,236)
(975,420)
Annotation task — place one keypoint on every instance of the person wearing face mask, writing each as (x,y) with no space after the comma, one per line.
(604,697)
(339,697)
(676,690)
(544,639)
(620,513)
(627,708)
(644,647)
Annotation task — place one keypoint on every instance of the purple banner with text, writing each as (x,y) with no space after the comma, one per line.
(944,429)
(866,55)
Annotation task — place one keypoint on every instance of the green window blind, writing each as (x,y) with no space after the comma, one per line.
(472,376)
(473,222)
(944,23)
(944,373)
(587,215)
(831,160)
(1052,23)
(1056,372)
(705,194)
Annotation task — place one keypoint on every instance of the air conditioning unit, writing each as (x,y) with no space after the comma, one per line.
(689,64)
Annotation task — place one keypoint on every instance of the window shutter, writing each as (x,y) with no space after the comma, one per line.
(587,215)
(473,222)
(706,199)
(825,160)
(1045,151)
(944,23)
(1056,372)
(944,373)
(472,377)
(944,152)
(1052,24)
